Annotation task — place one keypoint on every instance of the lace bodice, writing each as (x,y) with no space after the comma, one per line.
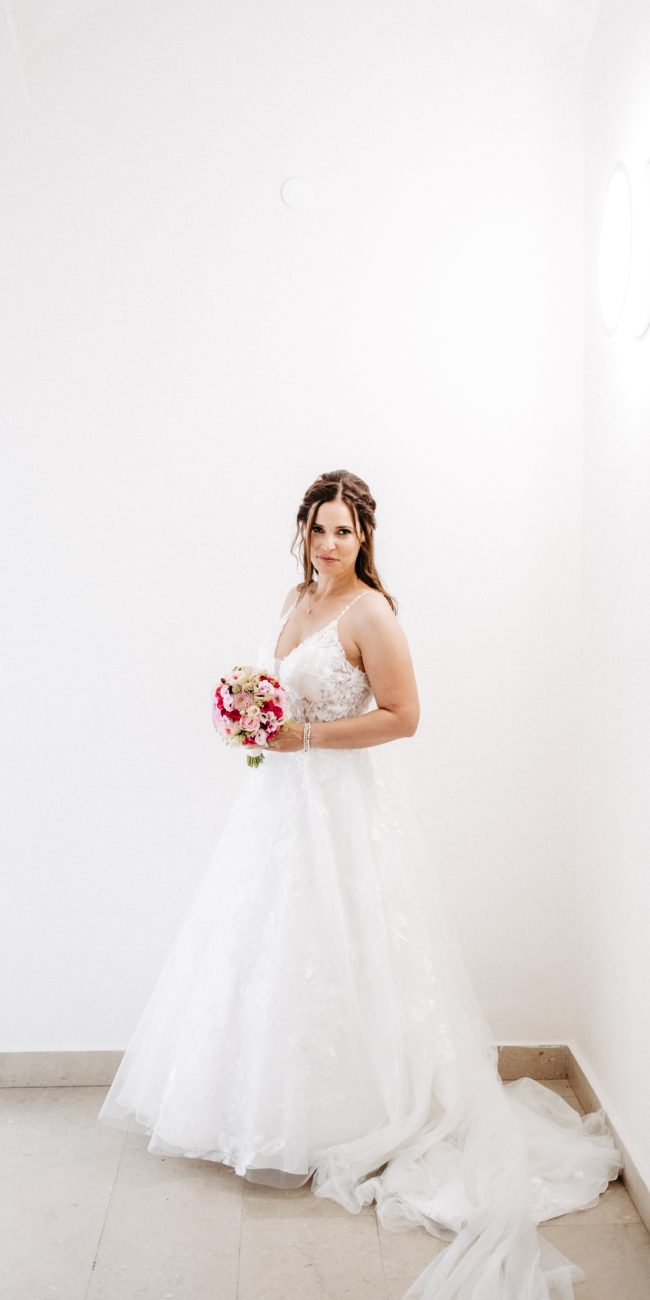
(319,679)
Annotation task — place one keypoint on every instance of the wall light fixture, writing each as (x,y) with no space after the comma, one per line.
(615,247)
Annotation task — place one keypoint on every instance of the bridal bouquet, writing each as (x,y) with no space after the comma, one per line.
(248,709)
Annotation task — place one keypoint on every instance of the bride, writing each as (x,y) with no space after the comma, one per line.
(313,1018)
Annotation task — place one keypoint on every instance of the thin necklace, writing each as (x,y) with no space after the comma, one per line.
(309,610)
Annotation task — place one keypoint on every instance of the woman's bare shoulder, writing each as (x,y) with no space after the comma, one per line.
(373,620)
(290,599)
(374,606)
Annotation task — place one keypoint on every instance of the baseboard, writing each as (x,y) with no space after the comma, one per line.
(560,1062)
(631,1177)
(58,1069)
(83,1069)
(547,1061)
(543,1061)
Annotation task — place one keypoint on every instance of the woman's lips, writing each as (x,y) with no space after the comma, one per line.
(329,559)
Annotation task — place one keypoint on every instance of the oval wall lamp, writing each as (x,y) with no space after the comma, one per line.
(624,261)
(639,285)
(615,248)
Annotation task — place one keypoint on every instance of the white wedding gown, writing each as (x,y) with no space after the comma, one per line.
(313,1017)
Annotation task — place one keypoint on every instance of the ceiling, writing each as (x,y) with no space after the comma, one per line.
(28,26)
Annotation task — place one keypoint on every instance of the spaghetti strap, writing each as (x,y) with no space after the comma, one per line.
(283,617)
(353,602)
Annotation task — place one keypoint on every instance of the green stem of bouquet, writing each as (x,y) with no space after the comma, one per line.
(254,760)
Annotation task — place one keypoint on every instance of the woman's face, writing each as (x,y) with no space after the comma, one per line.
(334,541)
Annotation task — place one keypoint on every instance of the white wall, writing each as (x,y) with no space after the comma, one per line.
(613,1021)
(182,354)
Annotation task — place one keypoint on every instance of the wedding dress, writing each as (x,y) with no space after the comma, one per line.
(314,1018)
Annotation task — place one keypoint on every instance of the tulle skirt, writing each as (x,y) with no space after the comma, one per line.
(314,1019)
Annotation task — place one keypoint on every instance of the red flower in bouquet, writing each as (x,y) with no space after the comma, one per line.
(249,708)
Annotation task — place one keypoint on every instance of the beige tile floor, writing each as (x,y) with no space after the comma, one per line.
(90,1214)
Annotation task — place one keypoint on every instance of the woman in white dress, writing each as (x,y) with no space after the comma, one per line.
(313,1018)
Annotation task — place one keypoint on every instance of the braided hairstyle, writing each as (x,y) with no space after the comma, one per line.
(340,485)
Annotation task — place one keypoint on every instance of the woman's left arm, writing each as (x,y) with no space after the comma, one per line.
(387,663)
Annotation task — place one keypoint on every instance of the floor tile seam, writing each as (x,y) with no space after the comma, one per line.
(106,1214)
(241,1236)
(382,1261)
(635,1230)
(615,1227)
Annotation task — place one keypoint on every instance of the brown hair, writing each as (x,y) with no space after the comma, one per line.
(340,485)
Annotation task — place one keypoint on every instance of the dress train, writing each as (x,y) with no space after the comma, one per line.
(314,1019)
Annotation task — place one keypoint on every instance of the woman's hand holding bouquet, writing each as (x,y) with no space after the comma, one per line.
(249,709)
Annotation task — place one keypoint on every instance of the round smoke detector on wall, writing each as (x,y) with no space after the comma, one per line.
(615,248)
(297,193)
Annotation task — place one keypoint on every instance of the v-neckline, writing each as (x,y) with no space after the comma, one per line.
(324,628)
(311,635)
